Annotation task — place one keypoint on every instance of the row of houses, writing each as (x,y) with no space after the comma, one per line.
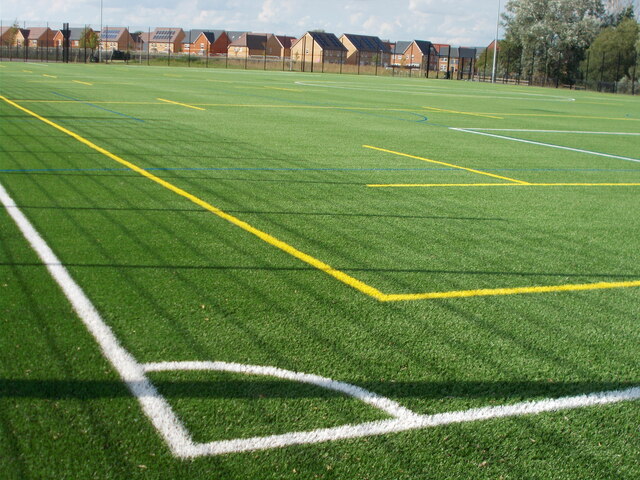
(313,46)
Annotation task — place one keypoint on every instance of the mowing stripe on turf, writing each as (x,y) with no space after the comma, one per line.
(131,372)
(551,145)
(446,164)
(442,110)
(181,104)
(178,438)
(271,240)
(314,262)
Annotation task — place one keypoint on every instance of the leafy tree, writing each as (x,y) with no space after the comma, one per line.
(613,53)
(553,34)
(88,39)
(12,33)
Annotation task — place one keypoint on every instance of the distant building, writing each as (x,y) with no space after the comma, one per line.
(74,38)
(116,38)
(318,47)
(39,37)
(365,50)
(166,40)
(255,44)
(209,42)
(419,53)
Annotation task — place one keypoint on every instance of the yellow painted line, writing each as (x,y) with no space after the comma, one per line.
(485,115)
(83,83)
(395,185)
(508,291)
(171,75)
(271,240)
(181,104)
(446,164)
(50,76)
(27,71)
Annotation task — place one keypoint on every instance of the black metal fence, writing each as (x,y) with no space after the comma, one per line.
(608,71)
(604,71)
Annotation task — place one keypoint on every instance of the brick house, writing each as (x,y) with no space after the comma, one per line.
(166,40)
(249,44)
(39,37)
(13,36)
(116,38)
(419,53)
(397,52)
(318,47)
(285,45)
(365,50)
(210,42)
(74,38)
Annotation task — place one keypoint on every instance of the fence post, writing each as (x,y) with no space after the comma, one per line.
(601,72)
(615,80)
(633,78)
(586,75)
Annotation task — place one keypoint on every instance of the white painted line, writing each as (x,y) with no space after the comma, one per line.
(131,372)
(550,145)
(582,132)
(422,421)
(377,401)
(178,438)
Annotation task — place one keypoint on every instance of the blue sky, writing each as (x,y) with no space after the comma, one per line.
(457,22)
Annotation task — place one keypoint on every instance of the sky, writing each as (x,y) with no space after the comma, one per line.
(455,22)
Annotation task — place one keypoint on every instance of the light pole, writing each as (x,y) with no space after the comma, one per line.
(495,47)
(101,33)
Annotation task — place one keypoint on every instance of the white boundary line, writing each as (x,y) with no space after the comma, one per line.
(549,131)
(163,418)
(531,142)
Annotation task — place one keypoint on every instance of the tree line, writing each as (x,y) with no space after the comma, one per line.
(569,42)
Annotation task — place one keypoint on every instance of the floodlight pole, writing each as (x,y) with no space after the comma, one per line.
(101,35)
(495,48)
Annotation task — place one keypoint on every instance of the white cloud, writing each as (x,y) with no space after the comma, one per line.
(468,22)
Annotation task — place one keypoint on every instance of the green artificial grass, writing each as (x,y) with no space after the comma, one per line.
(284,153)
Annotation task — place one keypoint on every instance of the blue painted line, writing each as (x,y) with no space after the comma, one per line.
(98,106)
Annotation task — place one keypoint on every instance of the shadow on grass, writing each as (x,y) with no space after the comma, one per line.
(258,388)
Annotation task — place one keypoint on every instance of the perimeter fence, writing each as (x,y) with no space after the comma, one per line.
(606,71)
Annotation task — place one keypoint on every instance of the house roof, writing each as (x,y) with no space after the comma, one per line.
(191,35)
(166,34)
(112,34)
(326,41)
(367,43)
(254,41)
(400,47)
(425,46)
(285,41)
(235,35)
(37,32)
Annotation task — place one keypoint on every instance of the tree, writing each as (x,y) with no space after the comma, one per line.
(88,39)
(553,34)
(613,53)
(11,34)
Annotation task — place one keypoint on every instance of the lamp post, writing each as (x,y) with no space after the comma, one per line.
(495,47)
(101,34)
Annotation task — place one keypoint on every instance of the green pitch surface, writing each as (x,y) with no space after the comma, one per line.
(234,274)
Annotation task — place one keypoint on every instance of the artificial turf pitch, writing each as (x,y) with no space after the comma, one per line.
(244,217)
